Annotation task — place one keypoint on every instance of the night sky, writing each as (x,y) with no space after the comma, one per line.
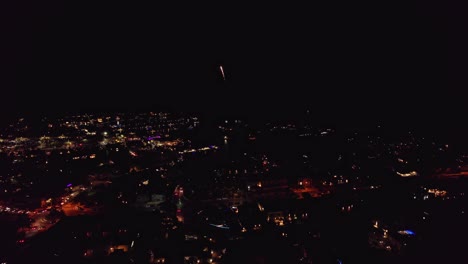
(343,62)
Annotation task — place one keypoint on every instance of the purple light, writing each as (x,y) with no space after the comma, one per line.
(69,185)
(151,138)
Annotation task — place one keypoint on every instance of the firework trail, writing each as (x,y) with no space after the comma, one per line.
(222,72)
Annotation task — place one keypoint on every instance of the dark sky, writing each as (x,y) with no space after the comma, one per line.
(347,61)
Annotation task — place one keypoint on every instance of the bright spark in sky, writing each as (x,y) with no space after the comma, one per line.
(222,72)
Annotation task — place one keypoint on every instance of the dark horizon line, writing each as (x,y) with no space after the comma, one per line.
(298,114)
